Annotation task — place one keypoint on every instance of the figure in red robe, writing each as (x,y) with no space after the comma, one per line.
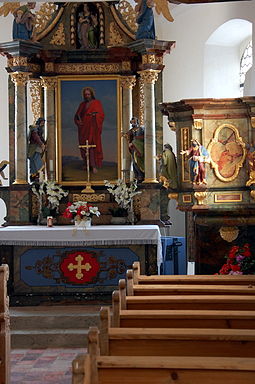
(89,119)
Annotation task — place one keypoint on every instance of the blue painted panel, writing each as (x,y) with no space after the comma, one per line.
(40,267)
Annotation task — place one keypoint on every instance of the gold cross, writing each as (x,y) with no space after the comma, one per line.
(87,146)
(79,267)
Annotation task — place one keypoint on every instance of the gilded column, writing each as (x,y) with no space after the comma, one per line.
(20,80)
(127,84)
(50,84)
(149,78)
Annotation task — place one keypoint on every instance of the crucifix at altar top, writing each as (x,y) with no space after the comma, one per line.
(87,146)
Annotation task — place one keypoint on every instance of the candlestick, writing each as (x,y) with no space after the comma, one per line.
(51,165)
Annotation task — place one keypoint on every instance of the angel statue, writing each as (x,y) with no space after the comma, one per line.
(24,19)
(145,18)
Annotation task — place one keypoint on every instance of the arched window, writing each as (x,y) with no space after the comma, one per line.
(245,65)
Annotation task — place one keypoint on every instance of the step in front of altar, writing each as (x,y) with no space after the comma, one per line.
(54,327)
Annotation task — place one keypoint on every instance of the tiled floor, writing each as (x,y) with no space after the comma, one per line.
(43,366)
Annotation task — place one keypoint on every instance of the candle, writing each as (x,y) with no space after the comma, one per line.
(40,176)
(51,165)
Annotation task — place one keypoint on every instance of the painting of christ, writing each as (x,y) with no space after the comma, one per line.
(88,129)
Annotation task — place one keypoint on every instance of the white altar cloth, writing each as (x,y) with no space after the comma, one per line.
(74,236)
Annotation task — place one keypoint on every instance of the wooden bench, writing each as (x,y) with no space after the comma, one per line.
(4,327)
(180,318)
(137,278)
(161,369)
(173,341)
(194,302)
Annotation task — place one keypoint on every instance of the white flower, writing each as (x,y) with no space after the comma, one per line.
(123,194)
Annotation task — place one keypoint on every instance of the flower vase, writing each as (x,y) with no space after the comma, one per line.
(83,223)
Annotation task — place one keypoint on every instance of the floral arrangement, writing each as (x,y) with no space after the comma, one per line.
(123,195)
(240,261)
(49,194)
(80,210)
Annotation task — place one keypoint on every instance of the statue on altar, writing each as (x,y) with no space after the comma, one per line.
(23,22)
(135,137)
(145,20)
(89,119)
(87,27)
(168,167)
(198,157)
(36,147)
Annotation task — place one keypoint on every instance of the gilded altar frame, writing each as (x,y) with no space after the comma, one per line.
(70,166)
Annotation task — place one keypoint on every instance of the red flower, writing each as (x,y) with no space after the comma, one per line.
(225,269)
(246,253)
(235,267)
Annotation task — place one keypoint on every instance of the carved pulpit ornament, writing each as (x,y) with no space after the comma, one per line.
(227,151)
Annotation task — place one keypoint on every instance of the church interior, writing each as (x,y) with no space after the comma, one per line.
(127,192)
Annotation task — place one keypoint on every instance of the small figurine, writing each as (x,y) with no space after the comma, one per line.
(168,167)
(145,20)
(87,28)
(3,165)
(135,137)
(198,156)
(23,22)
(36,147)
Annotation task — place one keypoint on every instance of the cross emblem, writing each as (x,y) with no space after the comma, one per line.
(79,267)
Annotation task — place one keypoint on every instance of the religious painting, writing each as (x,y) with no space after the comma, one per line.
(88,113)
(227,151)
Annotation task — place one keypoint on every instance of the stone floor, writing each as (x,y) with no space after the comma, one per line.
(43,366)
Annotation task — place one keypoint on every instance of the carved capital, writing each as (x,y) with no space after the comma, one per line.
(35,92)
(20,78)
(149,76)
(128,82)
(49,82)
(200,196)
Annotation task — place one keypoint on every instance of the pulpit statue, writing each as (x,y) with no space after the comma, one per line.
(87,147)
(168,167)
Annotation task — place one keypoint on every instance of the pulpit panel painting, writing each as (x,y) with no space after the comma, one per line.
(88,113)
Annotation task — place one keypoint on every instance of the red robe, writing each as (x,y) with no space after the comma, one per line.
(89,120)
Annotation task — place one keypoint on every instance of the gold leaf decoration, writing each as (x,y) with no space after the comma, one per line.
(128,13)
(59,36)
(43,16)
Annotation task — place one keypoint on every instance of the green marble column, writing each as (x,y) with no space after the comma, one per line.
(149,77)
(50,84)
(127,84)
(20,80)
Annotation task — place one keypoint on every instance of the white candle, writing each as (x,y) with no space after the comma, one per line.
(40,176)
(51,165)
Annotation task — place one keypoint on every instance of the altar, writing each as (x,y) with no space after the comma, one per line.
(69,264)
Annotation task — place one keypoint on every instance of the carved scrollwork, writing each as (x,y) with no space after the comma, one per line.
(128,13)
(88,197)
(115,36)
(44,16)
(35,92)
(141,101)
(59,36)
(89,68)
(201,197)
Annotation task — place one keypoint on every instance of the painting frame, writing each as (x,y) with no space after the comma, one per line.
(64,82)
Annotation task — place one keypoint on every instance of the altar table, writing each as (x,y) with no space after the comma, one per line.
(65,262)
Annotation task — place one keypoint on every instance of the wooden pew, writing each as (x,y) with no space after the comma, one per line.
(194,302)
(174,341)
(180,318)
(135,274)
(4,327)
(161,369)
